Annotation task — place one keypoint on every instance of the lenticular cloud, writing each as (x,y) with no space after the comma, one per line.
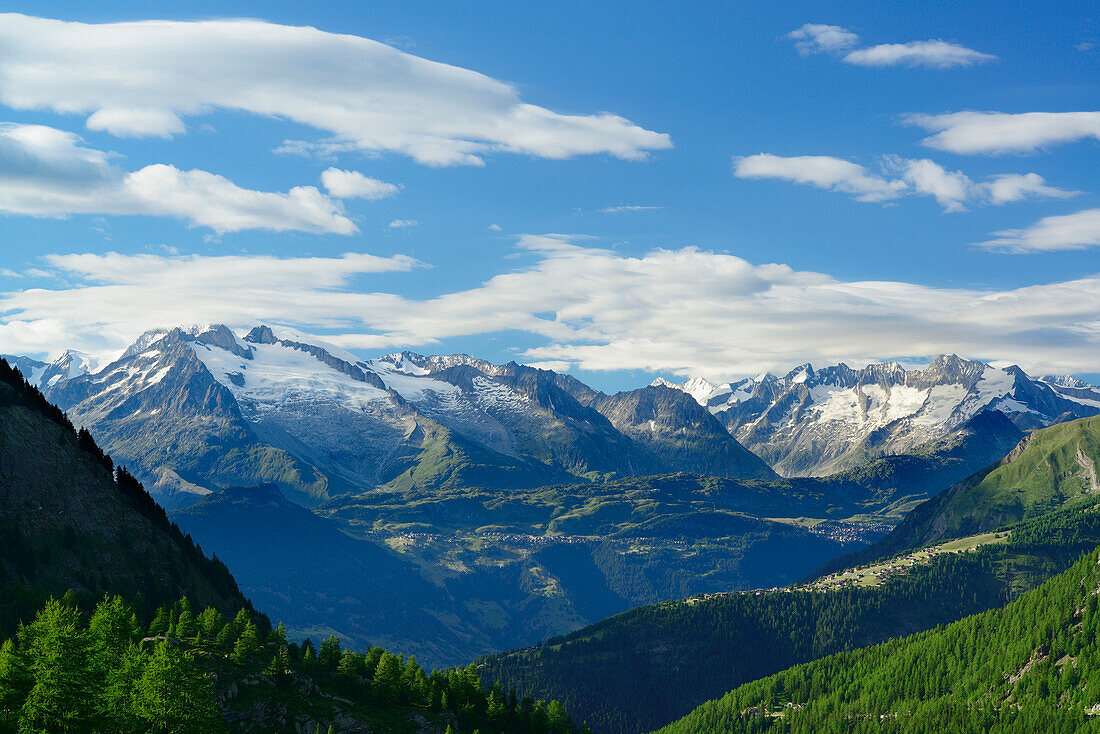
(360,93)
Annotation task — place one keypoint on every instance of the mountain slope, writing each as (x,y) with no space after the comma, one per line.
(1031,666)
(814,422)
(67,524)
(303,570)
(676,428)
(503,569)
(1050,468)
(641,669)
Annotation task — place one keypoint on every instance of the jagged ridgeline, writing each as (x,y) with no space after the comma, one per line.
(641,669)
(1031,666)
(71,524)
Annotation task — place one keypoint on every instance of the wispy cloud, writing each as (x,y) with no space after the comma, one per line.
(1002,132)
(366,95)
(814,38)
(403,223)
(953,190)
(46,172)
(933,54)
(625,208)
(683,311)
(1065,232)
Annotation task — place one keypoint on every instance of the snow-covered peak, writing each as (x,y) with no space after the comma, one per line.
(144,342)
(801,374)
(32,369)
(404,362)
(1066,381)
(70,365)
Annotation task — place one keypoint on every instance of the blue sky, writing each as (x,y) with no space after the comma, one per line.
(750,200)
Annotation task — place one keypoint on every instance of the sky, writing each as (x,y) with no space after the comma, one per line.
(617,190)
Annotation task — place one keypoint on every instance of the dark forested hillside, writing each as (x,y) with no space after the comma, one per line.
(1033,666)
(640,669)
(70,523)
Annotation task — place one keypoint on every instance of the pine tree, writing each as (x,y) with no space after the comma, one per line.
(246,644)
(160,623)
(174,696)
(387,677)
(280,663)
(112,629)
(329,654)
(15,682)
(278,635)
(120,687)
(64,689)
(211,621)
(349,664)
(185,625)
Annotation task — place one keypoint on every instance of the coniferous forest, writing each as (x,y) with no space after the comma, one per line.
(108,672)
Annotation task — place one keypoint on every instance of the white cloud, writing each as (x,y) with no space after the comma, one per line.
(46,172)
(822,171)
(404,223)
(816,38)
(354,185)
(1001,132)
(950,189)
(144,78)
(493,227)
(1015,187)
(118,296)
(1065,232)
(953,190)
(625,208)
(934,54)
(680,311)
(136,123)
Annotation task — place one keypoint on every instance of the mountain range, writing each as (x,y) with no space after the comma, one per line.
(193,409)
(815,422)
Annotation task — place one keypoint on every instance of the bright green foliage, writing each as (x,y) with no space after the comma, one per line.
(329,654)
(280,662)
(66,676)
(247,644)
(173,695)
(278,635)
(1033,666)
(185,626)
(349,663)
(211,621)
(113,628)
(63,676)
(64,691)
(160,623)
